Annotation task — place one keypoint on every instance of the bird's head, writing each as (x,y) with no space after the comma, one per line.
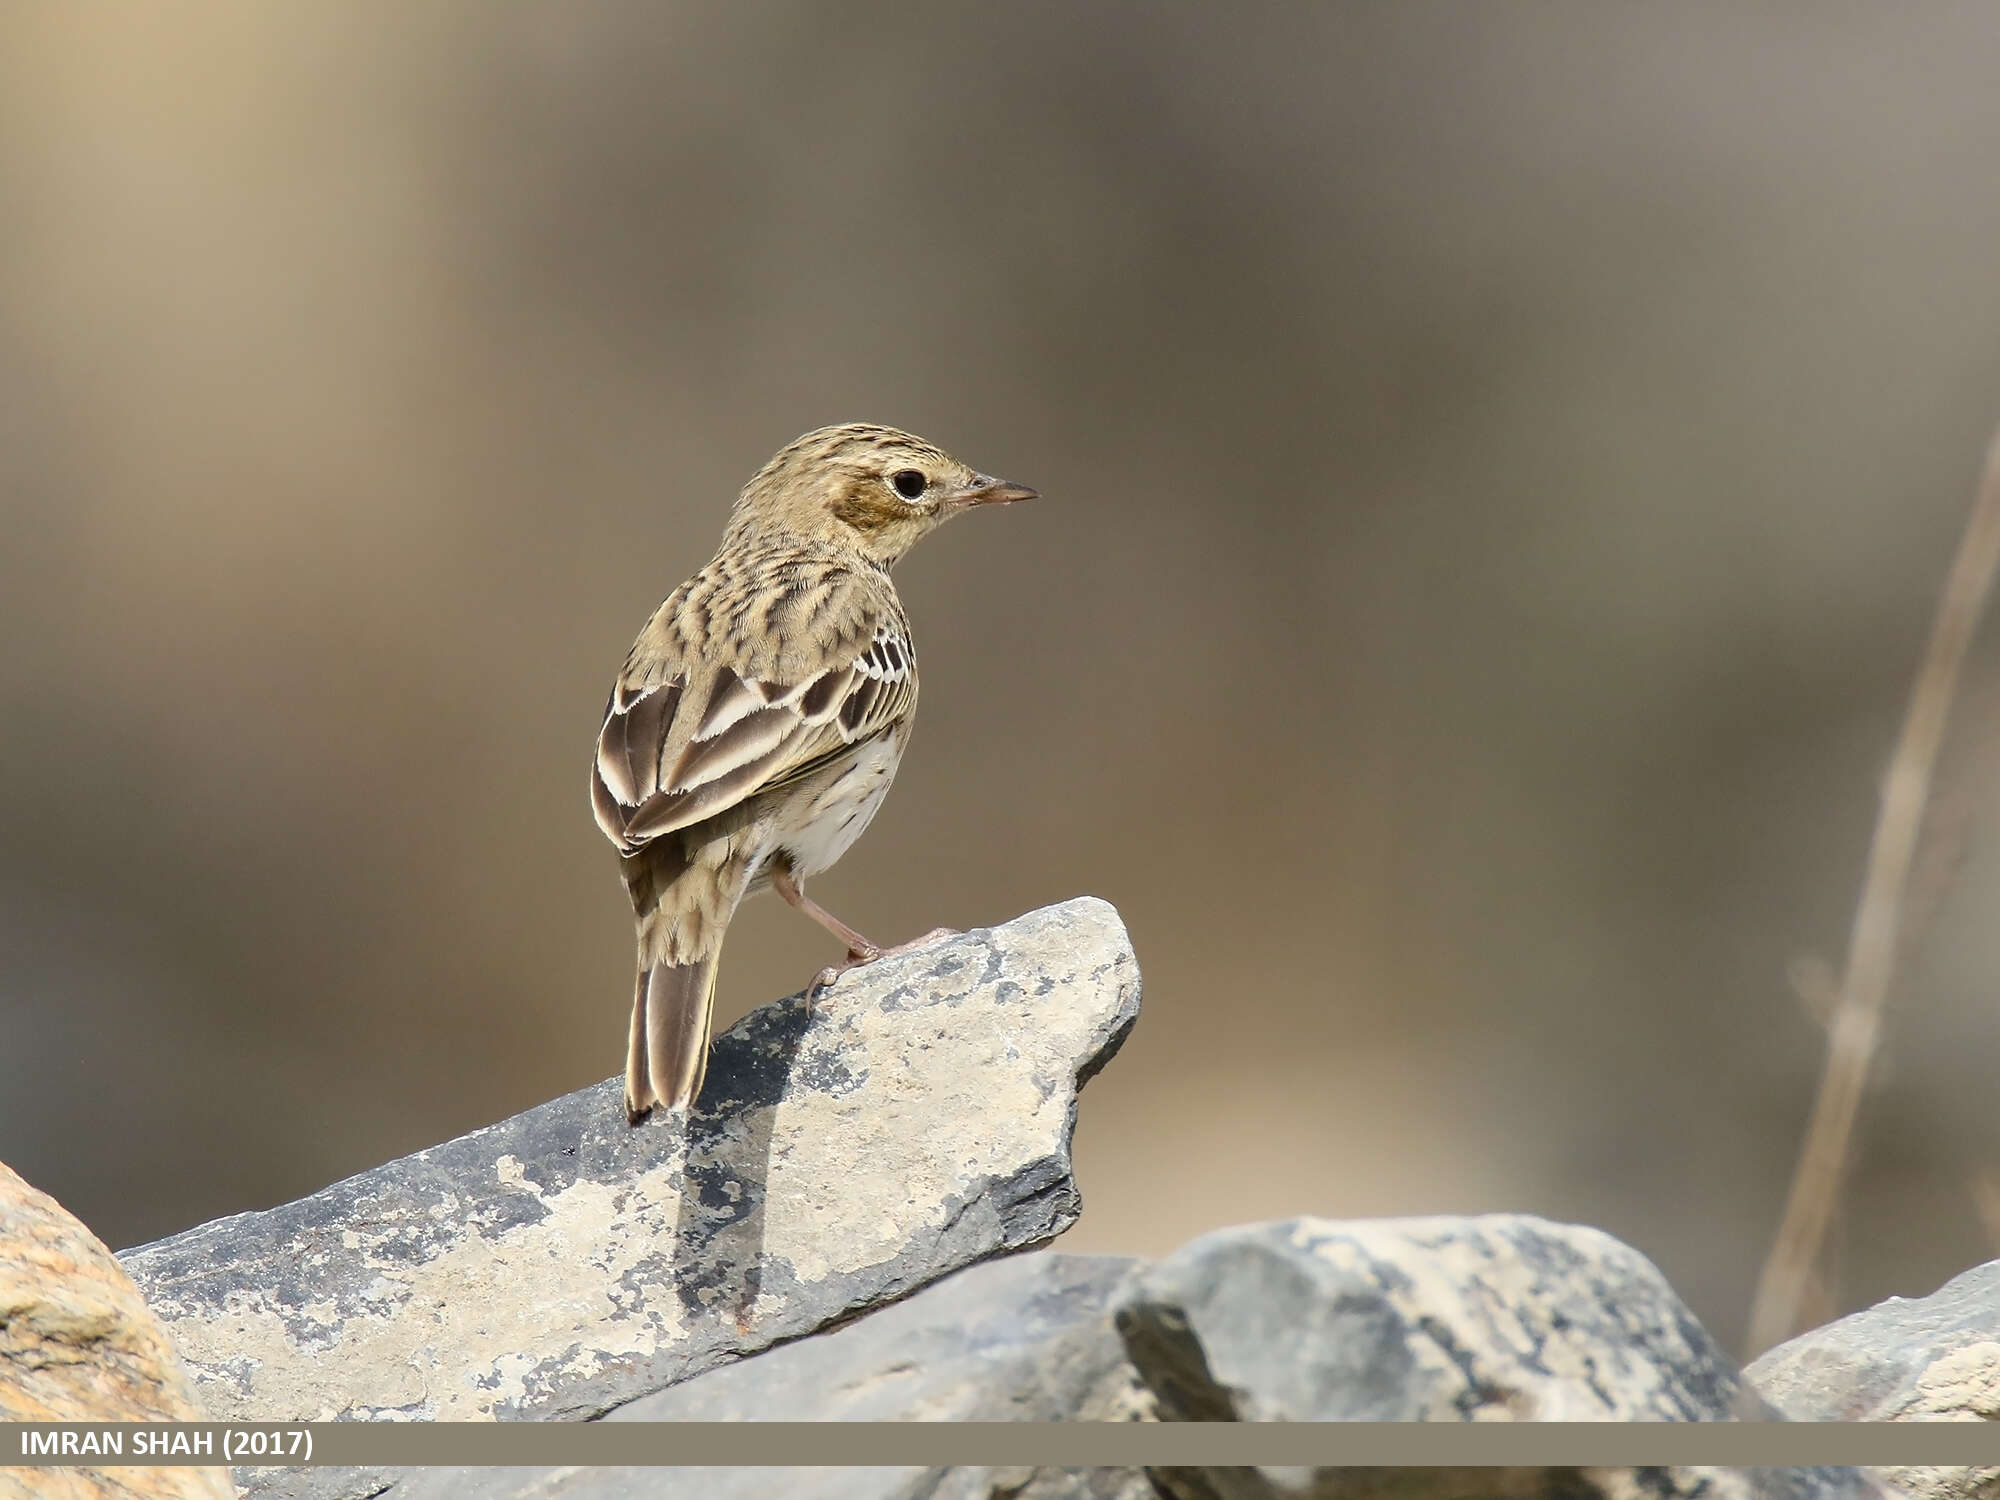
(873,488)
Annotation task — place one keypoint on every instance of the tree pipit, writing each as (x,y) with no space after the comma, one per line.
(760,717)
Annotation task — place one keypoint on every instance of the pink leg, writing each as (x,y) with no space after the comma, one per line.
(859,949)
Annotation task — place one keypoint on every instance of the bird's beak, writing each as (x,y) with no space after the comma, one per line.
(985,490)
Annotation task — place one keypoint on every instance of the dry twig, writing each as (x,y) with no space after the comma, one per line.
(1872,945)
(1986,1199)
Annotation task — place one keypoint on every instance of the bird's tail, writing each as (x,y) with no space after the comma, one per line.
(668,1056)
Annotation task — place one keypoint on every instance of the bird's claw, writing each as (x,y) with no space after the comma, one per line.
(856,958)
(820,983)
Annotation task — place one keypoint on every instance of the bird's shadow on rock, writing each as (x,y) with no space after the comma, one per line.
(720,1267)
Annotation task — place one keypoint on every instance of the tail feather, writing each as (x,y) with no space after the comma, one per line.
(639,1095)
(667,1057)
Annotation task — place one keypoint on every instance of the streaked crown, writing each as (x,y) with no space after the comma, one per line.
(877,489)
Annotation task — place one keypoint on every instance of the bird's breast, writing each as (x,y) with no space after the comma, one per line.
(823,823)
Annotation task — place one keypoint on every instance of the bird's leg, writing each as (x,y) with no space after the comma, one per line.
(859,949)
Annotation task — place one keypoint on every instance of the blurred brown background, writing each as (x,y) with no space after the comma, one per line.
(1499,459)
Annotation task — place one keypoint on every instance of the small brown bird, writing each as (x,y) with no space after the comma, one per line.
(760,717)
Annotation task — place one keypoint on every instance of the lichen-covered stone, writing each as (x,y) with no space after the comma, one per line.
(560,1263)
(77,1344)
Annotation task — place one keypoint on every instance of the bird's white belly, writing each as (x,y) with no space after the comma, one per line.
(828,826)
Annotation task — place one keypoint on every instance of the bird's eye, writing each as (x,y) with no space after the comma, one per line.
(909,483)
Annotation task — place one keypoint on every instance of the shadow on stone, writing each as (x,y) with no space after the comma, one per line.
(719,1252)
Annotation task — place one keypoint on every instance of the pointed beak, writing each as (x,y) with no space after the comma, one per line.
(985,490)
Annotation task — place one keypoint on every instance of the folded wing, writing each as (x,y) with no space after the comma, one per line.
(750,735)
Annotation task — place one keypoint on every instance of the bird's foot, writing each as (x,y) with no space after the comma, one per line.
(856,957)
(934,935)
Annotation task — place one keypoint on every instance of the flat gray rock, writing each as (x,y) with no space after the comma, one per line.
(1028,1338)
(1934,1358)
(622,1483)
(792,1483)
(1037,1484)
(1025,1339)
(560,1264)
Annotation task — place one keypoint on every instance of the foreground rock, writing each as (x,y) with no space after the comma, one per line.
(1520,1484)
(1935,1358)
(1028,1338)
(791,1483)
(1450,1320)
(560,1264)
(1420,1320)
(78,1345)
(1503,1317)
(1105,1484)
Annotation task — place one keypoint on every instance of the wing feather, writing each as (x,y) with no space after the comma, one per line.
(823,696)
(732,699)
(628,747)
(750,734)
(665,811)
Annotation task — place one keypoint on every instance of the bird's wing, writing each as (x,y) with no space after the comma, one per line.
(670,755)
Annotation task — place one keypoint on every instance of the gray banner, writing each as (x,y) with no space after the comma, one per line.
(1059,1444)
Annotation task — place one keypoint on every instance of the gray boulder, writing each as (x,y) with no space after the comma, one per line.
(560,1264)
(1411,1320)
(1934,1358)
(1515,1484)
(1503,1317)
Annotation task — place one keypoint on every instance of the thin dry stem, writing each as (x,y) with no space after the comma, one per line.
(1872,944)
(1986,1199)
